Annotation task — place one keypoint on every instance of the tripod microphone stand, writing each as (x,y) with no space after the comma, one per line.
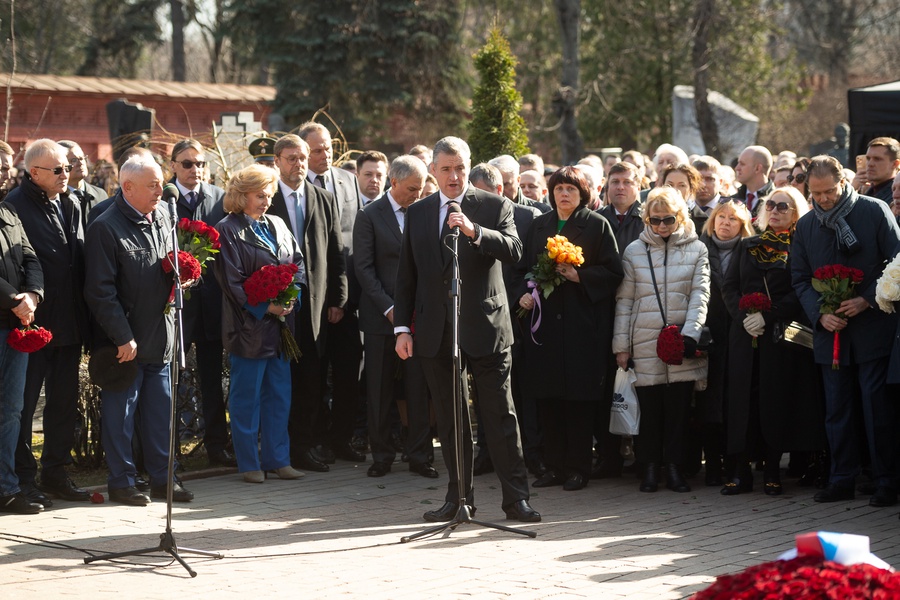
(464,512)
(167,539)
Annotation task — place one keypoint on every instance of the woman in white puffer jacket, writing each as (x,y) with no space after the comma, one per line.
(680,263)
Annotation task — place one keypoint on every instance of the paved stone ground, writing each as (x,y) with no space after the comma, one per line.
(337,534)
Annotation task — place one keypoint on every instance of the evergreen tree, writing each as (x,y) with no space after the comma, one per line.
(497,127)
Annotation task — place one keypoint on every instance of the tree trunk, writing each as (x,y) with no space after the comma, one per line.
(179,67)
(709,132)
(569,13)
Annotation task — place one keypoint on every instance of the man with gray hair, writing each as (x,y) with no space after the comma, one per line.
(88,195)
(509,171)
(53,222)
(487,238)
(846,228)
(377,237)
(127,291)
(752,172)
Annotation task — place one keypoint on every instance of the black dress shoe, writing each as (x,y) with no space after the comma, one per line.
(65,489)
(650,483)
(576,481)
(141,484)
(34,495)
(883,496)
(483,464)
(179,494)
(737,486)
(221,458)
(522,511)
(379,469)
(674,480)
(309,461)
(346,452)
(325,454)
(18,503)
(548,479)
(443,514)
(129,495)
(423,469)
(834,493)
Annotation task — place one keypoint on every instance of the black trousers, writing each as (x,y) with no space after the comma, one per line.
(568,435)
(60,413)
(664,415)
(491,375)
(307,377)
(385,371)
(343,351)
(209,370)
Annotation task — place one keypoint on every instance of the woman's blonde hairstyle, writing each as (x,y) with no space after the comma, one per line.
(671,199)
(248,180)
(740,211)
(796,200)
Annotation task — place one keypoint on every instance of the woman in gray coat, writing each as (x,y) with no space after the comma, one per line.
(260,393)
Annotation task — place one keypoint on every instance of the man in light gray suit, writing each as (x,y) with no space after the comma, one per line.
(377,237)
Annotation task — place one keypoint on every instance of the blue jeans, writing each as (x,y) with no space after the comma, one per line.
(13,365)
(152,389)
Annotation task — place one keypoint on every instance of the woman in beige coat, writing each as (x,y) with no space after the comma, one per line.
(668,251)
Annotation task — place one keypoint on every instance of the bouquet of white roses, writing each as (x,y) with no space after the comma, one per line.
(887,288)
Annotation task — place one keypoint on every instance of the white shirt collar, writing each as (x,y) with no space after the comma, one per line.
(458,199)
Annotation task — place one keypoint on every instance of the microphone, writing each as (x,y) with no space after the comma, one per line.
(453,207)
(170,192)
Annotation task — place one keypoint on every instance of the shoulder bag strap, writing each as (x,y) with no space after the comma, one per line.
(655,288)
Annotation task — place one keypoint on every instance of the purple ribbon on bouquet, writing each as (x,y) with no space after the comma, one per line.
(536,311)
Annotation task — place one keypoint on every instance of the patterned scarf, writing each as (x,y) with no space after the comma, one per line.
(836,220)
(771,249)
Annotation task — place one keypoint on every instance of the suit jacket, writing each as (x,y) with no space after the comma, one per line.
(61,253)
(376,239)
(763,192)
(523,216)
(699,217)
(522,200)
(323,251)
(88,198)
(629,229)
(423,278)
(204,307)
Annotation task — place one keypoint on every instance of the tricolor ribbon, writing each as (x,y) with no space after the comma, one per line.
(844,548)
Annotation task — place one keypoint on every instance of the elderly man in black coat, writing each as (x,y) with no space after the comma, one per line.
(859,232)
(52,220)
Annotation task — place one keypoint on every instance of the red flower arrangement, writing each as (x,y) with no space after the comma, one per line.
(804,577)
(275,284)
(190,269)
(756,302)
(28,339)
(670,345)
(835,283)
(198,239)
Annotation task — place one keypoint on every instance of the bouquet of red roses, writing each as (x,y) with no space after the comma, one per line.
(835,283)
(670,345)
(199,240)
(275,284)
(189,268)
(28,339)
(756,302)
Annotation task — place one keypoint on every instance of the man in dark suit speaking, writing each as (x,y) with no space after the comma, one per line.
(487,238)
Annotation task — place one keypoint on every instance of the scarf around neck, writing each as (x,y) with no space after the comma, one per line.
(771,249)
(836,220)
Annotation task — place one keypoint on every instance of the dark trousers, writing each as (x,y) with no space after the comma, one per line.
(491,375)
(568,433)
(307,376)
(608,444)
(209,370)
(879,415)
(385,371)
(664,415)
(343,351)
(56,368)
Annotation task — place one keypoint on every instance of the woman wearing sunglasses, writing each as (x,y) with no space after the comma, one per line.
(774,404)
(666,283)
(797,177)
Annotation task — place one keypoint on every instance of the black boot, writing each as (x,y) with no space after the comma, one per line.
(650,482)
(674,481)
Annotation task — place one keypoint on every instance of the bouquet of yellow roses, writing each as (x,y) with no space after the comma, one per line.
(543,277)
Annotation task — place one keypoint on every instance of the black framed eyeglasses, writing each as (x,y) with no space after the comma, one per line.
(798,178)
(668,221)
(56,170)
(781,207)
(188,164)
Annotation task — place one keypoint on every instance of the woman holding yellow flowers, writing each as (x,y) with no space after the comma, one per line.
(569,273)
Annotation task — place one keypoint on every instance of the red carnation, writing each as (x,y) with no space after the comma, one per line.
(28,339)
(189,266)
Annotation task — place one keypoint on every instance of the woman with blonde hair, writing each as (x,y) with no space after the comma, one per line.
(260,393)
(774,401)
(666,283)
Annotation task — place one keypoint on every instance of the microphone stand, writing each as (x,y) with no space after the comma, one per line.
(464,512)
(167,539)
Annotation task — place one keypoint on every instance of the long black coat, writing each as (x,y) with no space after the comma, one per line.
(574,339)
(789,397)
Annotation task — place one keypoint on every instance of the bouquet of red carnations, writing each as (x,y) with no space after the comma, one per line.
(276,284)
(28,339)
(835,283)
(756,302)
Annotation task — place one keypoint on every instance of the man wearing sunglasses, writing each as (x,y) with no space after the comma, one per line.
(202,315)
(52,220)
(88,195)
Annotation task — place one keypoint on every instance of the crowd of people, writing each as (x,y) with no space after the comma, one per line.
(701,278)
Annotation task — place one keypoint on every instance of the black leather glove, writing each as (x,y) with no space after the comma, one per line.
(690,347)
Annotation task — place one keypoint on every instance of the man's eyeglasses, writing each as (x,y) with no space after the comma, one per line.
(188,164)
(781,207)
(798,178)
(668,221)
(56,170)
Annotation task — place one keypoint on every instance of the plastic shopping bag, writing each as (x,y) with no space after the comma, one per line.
(625,413)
